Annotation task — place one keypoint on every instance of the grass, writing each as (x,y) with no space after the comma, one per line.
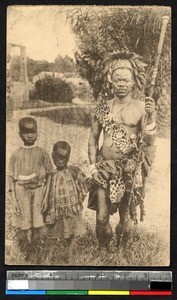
(144,248)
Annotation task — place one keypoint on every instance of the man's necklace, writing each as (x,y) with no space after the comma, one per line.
(119,109)
(111,117)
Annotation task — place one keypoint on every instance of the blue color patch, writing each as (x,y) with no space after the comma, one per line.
(11,292)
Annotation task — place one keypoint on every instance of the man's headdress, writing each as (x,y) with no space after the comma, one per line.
(129,60)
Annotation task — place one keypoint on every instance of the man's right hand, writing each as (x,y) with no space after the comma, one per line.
(99,179)
(16,207)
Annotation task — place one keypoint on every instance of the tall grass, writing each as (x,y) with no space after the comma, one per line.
(144,248)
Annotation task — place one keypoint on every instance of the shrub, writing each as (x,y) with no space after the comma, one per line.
(53,89)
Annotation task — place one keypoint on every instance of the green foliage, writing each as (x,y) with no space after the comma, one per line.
(65,64)
(53,89)
(34,67)
(101,30)
(82,91)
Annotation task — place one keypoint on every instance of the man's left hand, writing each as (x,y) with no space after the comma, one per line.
(149,106)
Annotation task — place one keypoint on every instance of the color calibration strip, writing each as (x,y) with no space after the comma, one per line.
(80,292)
(83,282)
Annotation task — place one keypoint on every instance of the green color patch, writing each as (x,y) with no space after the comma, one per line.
(67,292)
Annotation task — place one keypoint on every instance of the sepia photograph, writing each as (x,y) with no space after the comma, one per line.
(88,114)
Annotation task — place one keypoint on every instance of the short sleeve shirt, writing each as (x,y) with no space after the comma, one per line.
(28,162)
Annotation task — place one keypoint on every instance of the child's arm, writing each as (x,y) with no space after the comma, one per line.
(13,196)
(44,205)
(10,176)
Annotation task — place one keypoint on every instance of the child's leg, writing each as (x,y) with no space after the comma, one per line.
(71,242)
(24,220)
(37,198)
(51,250)
(24,242)
(54,243)
(37,244)
(37,222)
(21,239)
(37,237)
(24,198)
(68,234)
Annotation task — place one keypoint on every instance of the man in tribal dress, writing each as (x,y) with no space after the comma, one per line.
(117,165)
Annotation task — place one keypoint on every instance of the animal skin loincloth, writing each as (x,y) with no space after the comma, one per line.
(119,176)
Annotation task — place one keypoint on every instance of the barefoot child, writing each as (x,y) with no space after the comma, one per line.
(29,181)
(66,195)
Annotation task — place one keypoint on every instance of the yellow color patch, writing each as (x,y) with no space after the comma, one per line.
(123,293)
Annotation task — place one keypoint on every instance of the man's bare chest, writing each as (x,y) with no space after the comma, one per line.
(128,115)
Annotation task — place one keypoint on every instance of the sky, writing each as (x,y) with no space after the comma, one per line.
(42,33)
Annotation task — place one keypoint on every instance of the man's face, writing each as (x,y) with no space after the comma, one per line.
(60,158)
(29,134)
(122,82)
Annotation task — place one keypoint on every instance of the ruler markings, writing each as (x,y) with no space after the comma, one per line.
(68,282)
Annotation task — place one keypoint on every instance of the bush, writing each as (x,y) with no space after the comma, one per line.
(82,91)
(53,89)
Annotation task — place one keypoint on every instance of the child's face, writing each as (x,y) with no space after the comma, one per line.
(29,134)
(60,158)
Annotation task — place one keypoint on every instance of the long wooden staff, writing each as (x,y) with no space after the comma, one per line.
(165,20)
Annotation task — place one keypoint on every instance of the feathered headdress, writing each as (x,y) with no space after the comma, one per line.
(126,59)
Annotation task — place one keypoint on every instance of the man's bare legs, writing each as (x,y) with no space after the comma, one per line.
(103,227)
(125,224)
